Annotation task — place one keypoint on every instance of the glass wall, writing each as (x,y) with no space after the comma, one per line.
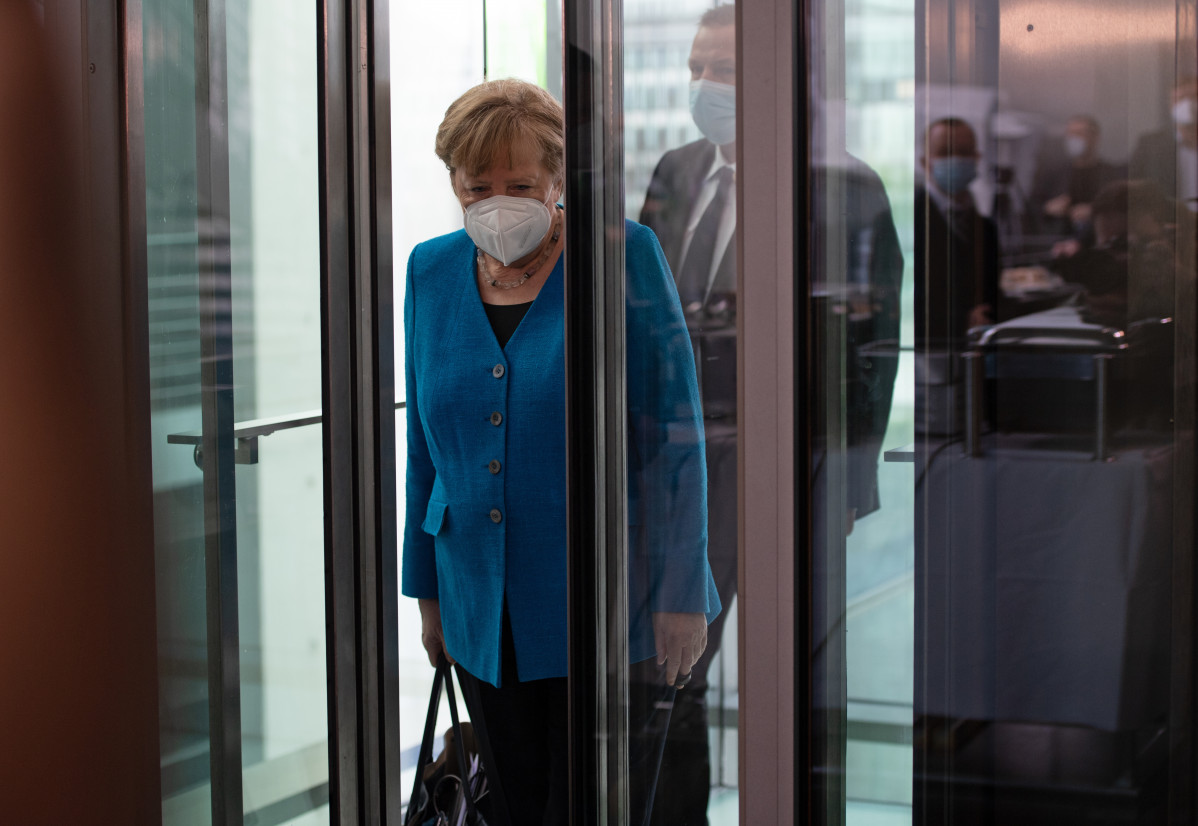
(1000,248)
(680,163)
(436,54)
(873,139)
(996,316)
(233,233)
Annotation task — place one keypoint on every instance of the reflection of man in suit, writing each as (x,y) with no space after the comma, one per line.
(854,227)
(691,206)
(1067,181)
(1169,157)
(956,248)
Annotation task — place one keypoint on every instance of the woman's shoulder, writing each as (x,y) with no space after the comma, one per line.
(435,252)
(642,250)
(639,239)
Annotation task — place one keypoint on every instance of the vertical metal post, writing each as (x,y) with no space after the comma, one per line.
(973,402)
(384,671)
(336,265)
(808,751)
(216,400)
(358,395)
(1102,386)
(596,413)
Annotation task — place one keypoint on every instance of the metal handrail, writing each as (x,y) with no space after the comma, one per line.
(247,433)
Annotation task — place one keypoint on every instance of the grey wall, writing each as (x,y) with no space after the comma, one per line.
(1113,59)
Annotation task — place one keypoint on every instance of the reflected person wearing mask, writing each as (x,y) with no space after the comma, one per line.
(1169,157)
(485,538)
(1065,190)
(691,206)
(956,248)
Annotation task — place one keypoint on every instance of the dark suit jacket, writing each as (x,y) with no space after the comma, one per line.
(873,264)
(1155,159)
(955,270)
(672,192)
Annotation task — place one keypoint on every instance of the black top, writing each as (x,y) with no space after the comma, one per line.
(505,318)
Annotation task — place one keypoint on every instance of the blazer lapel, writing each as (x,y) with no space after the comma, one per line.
(471,330)
(694,160)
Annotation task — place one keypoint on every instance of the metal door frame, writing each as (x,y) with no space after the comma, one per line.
(773,613)
(358,381)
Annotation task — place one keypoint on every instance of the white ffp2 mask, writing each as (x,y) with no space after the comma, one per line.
(1075,146)
(508,228)
(1183,112)
(713,108)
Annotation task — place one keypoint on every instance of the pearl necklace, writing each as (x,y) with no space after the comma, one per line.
(529,273)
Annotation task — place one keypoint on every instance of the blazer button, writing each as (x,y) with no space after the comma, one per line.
(497,371)
(496,516)
(494,466)
(497,418)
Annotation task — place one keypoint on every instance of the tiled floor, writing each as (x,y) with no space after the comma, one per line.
(722,811)
(876,814)
(879,756)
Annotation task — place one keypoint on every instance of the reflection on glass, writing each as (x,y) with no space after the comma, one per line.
(680,145)
(1007,641)
(253,237)
(436,53)
(858,246)
(175,399)
(485,535)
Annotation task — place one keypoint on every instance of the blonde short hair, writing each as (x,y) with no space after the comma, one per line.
(503,120)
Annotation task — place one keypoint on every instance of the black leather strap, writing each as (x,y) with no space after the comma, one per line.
(441,678)
(426,746)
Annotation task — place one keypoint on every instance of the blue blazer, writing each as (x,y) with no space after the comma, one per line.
(486,477)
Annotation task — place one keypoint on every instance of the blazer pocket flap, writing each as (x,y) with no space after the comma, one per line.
(434,517)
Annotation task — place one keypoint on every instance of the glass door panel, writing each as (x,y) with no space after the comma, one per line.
(1000,243)
(436,54)
(231,136)
(679,180)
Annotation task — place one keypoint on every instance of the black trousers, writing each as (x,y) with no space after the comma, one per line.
(526,723)
(525,747)
(525,727)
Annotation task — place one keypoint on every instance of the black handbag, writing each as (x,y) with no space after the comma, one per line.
(447,790)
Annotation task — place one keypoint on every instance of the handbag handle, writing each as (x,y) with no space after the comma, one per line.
(464,788)
(442,678)
(426,744)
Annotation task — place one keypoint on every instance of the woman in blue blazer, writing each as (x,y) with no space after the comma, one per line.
(485,539)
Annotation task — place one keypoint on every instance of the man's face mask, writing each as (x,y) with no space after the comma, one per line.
(713,108)
(1183,112)
(508,228)
(954,174)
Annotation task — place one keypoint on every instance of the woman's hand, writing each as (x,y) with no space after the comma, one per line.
(430,631)
(681,640)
